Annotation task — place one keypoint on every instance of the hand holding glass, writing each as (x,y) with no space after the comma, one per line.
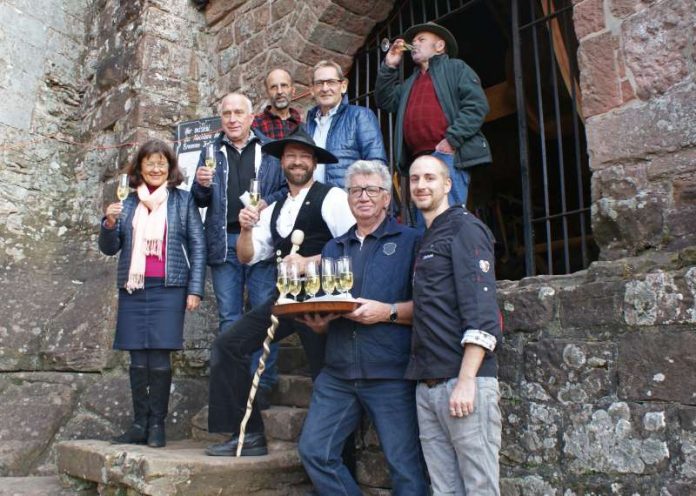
(385,45)
(123,188)
(254,194)
(210,161)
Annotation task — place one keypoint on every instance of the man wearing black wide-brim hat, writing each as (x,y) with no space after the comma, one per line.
(439,109)
(322,213)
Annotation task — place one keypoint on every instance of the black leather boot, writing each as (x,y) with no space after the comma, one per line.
(160,382)
(137,433)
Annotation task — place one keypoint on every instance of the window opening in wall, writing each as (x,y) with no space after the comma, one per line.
(535,196)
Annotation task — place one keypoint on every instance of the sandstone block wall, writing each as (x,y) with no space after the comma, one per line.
(638,78)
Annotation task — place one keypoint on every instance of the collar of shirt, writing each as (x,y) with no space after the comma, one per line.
(289,211)
(294,114)
(250,138)
(321,119)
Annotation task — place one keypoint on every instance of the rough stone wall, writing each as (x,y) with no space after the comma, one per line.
(597,393)
(638,78)
(80,79)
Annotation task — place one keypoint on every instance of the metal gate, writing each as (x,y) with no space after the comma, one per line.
(545,217)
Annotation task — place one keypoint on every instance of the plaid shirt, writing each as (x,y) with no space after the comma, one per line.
(273,126)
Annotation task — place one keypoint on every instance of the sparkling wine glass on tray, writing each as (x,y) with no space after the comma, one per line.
(328,275)
(344,269)
(312,282)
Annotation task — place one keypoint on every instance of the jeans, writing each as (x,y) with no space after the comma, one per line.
(461,452)
(229,279)
(230,380)
(335,412)
(460,186)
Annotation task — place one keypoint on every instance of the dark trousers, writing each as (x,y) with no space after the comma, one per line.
(229,365)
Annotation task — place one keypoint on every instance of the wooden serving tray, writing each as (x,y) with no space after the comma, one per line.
(320,307)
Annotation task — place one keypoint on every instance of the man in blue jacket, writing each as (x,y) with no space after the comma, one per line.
(367,351)
(239,159)
(350,132)
(439,109)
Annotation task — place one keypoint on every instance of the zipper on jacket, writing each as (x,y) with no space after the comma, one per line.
(185,255)
(225,172)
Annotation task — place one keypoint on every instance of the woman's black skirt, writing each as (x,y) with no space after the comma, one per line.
(151,318)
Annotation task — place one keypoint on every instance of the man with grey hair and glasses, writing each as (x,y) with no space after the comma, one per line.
(367,351)
(350,132)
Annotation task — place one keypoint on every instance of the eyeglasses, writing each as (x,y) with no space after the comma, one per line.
(332,83)
(156,165)
(372,191)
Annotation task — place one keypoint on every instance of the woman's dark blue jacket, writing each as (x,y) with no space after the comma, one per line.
(185,255)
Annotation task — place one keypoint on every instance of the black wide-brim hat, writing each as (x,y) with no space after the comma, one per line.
(299,137)
(442,32)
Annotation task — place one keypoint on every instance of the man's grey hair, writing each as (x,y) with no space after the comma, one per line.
(368,168)
(328,63)
(241,95)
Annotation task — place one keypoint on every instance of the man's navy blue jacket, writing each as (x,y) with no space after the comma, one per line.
(382,269)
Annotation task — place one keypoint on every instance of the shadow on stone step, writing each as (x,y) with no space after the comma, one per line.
(282,423)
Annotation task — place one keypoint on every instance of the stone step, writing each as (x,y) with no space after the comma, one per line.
(182,468)
(40,486)
(291,359)
(292,390)
(282,423)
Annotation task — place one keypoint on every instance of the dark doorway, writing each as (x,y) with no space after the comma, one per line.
(534,197)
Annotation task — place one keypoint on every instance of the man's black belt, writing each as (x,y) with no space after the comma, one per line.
(431,383)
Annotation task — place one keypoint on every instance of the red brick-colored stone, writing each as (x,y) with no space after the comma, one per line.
(376,9)
(216,10)
(623,8)
(225,37)
(281,8)
(663,125)
(599,74)
(627,91)
(656,45)
(588,17)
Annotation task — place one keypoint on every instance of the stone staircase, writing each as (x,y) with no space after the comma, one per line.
(182,468)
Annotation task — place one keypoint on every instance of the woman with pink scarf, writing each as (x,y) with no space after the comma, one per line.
(161,274)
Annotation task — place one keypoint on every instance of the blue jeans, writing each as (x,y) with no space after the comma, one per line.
(461,452)
(460,186)
(229,280)
(334,414)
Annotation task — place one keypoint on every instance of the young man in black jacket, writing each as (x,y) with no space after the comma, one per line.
(456,331)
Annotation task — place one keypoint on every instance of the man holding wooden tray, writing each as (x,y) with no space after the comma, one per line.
(367,350)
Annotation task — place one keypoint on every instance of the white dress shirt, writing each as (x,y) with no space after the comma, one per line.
(334,210)
(321,134)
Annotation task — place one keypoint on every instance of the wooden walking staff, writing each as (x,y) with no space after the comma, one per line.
(297,238)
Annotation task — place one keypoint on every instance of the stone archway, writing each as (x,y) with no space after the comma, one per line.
(253,37)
